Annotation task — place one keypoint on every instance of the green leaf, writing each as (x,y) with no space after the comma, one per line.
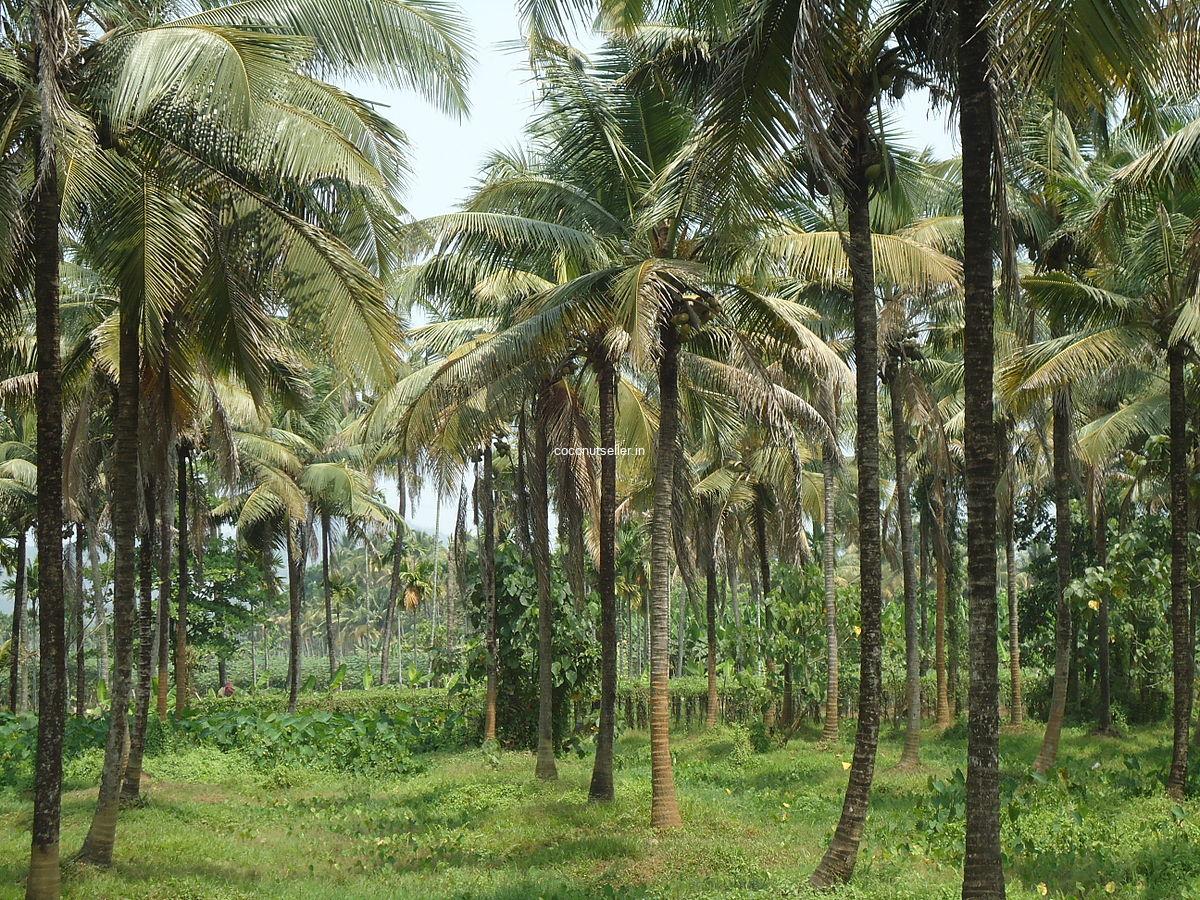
(338,677)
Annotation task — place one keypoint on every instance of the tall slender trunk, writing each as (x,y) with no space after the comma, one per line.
(912,651)
(983,874)
(166,522)
(710,623)
(98,601)
(1017,712)
(1182,644)
(522,487)
(53,24)
(488,565)
(394,586)
(644,645)
(953,639)
(546,768)
(458,582)
(735,602)
(601,787)
(295,563)
(1062,549)
(630,647)
(756,604)
(838,863)
(572,513)
(828,537)
(1104,713)
(16,696)
(923,591)
(330,645)
(764,568)
(80,664)
(942,563)
(684,597)
(30,650)
(431,606)
(132,786)
(664,806)
(123,503)
(1073,668)
(182,684)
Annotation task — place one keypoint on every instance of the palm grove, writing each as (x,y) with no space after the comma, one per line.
(714,248)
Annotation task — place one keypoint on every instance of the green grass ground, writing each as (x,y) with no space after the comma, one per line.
(476,824)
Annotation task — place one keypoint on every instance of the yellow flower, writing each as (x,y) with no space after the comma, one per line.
(1110,888)
(857,631)
(1042,889)
(1093,604)
(845,766)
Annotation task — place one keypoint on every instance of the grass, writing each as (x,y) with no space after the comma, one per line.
(477,824)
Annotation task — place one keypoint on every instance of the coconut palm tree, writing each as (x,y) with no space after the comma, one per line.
(1128,309)
(415,46)
(836,78)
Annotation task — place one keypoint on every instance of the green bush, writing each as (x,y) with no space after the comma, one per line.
(437,719)
(359,732)
(343,742)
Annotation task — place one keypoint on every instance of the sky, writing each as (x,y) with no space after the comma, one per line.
(447,154)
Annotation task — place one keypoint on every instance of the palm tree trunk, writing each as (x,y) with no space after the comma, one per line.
(631,654)
(166,522)
(1073,669)
(756,605)
(295,563)
(710,622)
(182,685)
(983,875)
(764,567)
(942,563)
(572,513)
(488,565)
(1182,649)
(1017,712)
(98,601)
(735,602)
(601,788)
(546,768)
(684,597)
(953,639)
(664,807)
(16,699)
(52,20)
(912,736)
(1104,713)
(522,487)
(330,648)
(394,587)
(123,503)
(132,787)
(828,537)
(80,665)
(25,698)
(457,581)
(1062,549)
(838,863)
(923,593)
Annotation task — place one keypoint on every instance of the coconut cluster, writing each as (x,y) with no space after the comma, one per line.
(693,312)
